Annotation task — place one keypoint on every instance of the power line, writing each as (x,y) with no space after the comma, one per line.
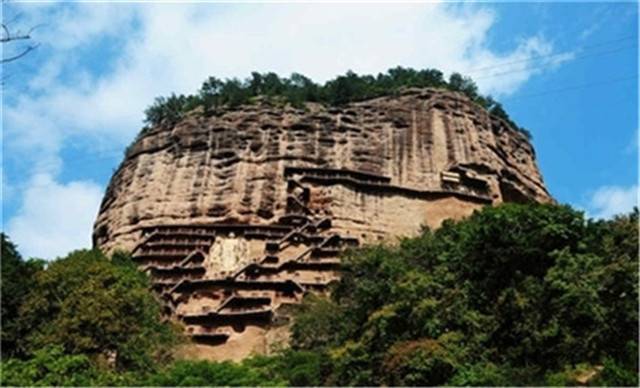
(107,153)
(541,66)
(542,93)
(535,57)
(573,87)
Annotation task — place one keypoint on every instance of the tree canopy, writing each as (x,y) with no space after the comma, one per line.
(16,281)
(519,294)
(514,295)
(88,304)
(298,89)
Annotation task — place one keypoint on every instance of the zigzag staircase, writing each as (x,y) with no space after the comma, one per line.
(300,255)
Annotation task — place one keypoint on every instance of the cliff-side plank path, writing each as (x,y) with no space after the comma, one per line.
(237,215)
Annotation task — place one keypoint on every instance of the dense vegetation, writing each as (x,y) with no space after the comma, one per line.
(514,295)
(80,310)
(298,89)
(17,275)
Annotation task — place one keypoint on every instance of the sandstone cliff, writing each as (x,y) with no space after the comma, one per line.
(229,168)
(237,214)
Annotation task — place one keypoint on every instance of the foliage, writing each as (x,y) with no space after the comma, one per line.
(424,362)
(83,309)
(617,374)
(298,89)
(87,304)
(52,367)
(49,367)
(203,373)
(513,295)
(516,295)
(17,276)
(294,368)
(315,326)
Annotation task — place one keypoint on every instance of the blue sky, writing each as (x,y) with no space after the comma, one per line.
(566,71)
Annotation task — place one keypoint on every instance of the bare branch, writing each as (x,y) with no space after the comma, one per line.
(10,37)
(15,37)
(18,56)
(14,19)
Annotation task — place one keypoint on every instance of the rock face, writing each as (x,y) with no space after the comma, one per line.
(236,215)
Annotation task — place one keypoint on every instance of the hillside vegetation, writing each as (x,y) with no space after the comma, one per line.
(513,295)
(298,89)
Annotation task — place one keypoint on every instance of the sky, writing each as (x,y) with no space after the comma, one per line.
(565,71)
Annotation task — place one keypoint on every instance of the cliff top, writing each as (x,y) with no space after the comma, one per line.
(298,90)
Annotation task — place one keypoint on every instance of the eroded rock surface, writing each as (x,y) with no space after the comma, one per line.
(238,214)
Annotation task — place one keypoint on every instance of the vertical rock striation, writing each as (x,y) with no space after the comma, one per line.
(238,214)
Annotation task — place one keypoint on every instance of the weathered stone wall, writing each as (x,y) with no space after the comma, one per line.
(372,217)
(229,168)
(237,215)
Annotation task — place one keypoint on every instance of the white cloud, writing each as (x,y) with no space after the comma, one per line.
(166,48)
(55,218)
(7,192)
(157,49)
(505,75)
(69,26)
(608,201)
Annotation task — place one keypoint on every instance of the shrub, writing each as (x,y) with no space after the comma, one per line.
(86,304)
(298,89)
(512,295)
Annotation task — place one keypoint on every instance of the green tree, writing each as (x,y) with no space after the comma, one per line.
(315,324)
(298,89)
(18,277)
(295,368)
(87,304)
(463,84)
(424,362)
(48,367)
(204,373)
(515,294)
